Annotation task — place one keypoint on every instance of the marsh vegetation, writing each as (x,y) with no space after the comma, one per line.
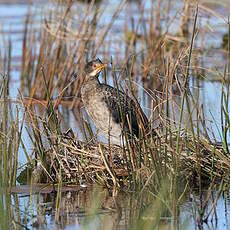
(174,58)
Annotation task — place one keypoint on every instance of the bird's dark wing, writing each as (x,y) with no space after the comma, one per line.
(124,110)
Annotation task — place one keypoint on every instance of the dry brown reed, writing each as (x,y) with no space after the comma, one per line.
(58,52)
(49,75)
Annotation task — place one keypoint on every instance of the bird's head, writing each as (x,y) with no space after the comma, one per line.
(94,67)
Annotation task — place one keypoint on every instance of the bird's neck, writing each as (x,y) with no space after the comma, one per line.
(90,84)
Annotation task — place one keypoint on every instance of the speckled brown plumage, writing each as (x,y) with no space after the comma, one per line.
(111,110)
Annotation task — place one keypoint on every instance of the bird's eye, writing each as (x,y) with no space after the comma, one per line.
(94,66)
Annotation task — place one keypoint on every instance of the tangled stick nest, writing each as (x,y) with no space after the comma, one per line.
(75,161)
(80,160)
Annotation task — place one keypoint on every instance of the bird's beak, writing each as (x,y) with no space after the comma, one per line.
(101,66)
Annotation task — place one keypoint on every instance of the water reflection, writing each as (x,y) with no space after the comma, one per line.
(78,208)
(95,208)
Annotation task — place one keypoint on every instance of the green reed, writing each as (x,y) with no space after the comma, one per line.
(225,94)
(10,133)
(11,125)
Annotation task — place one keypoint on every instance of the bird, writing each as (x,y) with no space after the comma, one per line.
(113,112)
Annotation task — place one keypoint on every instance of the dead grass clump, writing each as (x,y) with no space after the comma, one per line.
(76,162)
